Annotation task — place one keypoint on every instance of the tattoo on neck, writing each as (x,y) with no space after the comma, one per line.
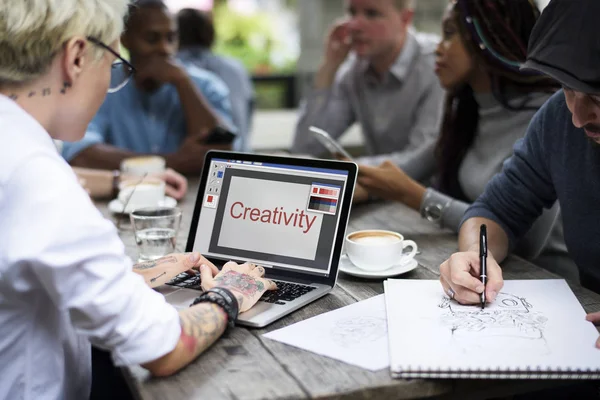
(66,85)
(45,92)
(154,263)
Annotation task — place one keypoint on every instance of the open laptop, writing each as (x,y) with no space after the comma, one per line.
(286,214)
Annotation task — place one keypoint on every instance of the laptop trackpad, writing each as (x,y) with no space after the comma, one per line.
(182,298)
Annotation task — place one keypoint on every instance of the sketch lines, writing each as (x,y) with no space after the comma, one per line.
(357,331)
(509,321)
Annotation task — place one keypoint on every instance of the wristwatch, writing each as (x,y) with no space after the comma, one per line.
(224,299)
(433,212)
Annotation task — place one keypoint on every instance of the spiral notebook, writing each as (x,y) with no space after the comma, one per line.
(536,329)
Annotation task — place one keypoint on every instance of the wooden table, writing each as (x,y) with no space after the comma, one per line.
(244,365)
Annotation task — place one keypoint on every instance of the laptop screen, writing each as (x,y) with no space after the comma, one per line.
(279,216)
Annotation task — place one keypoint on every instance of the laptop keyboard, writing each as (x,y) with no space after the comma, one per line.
(286,291)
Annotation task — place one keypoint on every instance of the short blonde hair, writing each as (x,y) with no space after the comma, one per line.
(405,4)
(33,32)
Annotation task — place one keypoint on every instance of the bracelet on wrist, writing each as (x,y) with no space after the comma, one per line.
(224,299)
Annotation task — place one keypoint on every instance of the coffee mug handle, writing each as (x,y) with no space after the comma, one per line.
(413,252)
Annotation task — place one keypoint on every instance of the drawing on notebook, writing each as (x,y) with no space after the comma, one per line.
(509,319)
(356,331)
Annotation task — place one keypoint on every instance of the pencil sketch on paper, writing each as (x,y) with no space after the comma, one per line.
(357,331)
(509,322)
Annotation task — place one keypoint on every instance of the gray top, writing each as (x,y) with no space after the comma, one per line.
(554,161)
(499,129)
(237,79)
(397,113)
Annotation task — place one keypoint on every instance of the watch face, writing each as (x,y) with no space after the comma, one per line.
(433,212)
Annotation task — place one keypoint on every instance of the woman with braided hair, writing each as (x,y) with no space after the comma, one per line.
(490,102)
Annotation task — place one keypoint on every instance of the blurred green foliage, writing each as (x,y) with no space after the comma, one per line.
(249,38)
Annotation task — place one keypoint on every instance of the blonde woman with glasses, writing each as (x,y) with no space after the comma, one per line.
(65,281)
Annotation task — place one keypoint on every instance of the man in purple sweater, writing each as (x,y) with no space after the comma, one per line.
(559,159)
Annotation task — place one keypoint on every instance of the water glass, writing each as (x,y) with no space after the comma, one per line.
(155,230)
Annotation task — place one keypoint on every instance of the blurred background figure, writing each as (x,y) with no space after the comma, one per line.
(100,184)
(168,109)
(280,44)
(196,39)
(489,105)
(375,72)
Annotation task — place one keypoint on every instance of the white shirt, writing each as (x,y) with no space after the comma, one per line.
(64,278)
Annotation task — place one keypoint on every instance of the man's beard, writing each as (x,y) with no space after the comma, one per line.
(593,129)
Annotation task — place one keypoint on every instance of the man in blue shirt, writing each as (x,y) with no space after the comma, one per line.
(169,110)
(559,159)
(196,37)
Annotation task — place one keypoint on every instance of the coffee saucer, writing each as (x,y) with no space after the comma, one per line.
(403,267)
(116,207)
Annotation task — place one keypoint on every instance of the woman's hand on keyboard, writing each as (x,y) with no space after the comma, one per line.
(245,281)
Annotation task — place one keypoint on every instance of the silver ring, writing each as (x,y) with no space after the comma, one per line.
(450,293)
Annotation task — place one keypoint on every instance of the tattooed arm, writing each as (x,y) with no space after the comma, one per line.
(204,323)
(201,326)
(158,272)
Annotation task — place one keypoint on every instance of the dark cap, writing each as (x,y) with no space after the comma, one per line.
(565,44)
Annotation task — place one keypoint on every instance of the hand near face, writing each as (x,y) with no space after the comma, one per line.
(245,281)
(160,70)
(338,44)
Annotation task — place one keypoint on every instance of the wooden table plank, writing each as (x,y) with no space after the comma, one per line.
(247,366)
(325,378)
(237,367)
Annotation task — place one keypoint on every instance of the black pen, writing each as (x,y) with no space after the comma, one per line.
(483,260)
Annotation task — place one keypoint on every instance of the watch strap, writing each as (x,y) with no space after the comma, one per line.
(224,299)
(433,205)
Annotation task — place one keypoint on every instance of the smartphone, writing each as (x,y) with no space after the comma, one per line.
(220,135)
(330,144)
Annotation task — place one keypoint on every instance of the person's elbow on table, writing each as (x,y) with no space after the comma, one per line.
(460,273)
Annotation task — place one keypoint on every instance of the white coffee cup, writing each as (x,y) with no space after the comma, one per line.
(135,194)
(378,250)
(143,165)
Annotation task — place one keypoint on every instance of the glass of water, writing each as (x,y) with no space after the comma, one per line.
(155,230)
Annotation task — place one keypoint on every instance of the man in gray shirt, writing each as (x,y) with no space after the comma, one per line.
(387,84)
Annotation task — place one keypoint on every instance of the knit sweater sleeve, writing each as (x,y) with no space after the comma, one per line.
(516,197)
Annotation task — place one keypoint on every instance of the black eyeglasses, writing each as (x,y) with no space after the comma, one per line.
(122,70)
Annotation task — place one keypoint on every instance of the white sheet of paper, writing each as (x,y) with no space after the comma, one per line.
(532,324)
(355,334)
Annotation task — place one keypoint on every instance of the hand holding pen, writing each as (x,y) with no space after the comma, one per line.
(473,276)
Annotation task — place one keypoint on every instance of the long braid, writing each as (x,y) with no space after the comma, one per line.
(496,33)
